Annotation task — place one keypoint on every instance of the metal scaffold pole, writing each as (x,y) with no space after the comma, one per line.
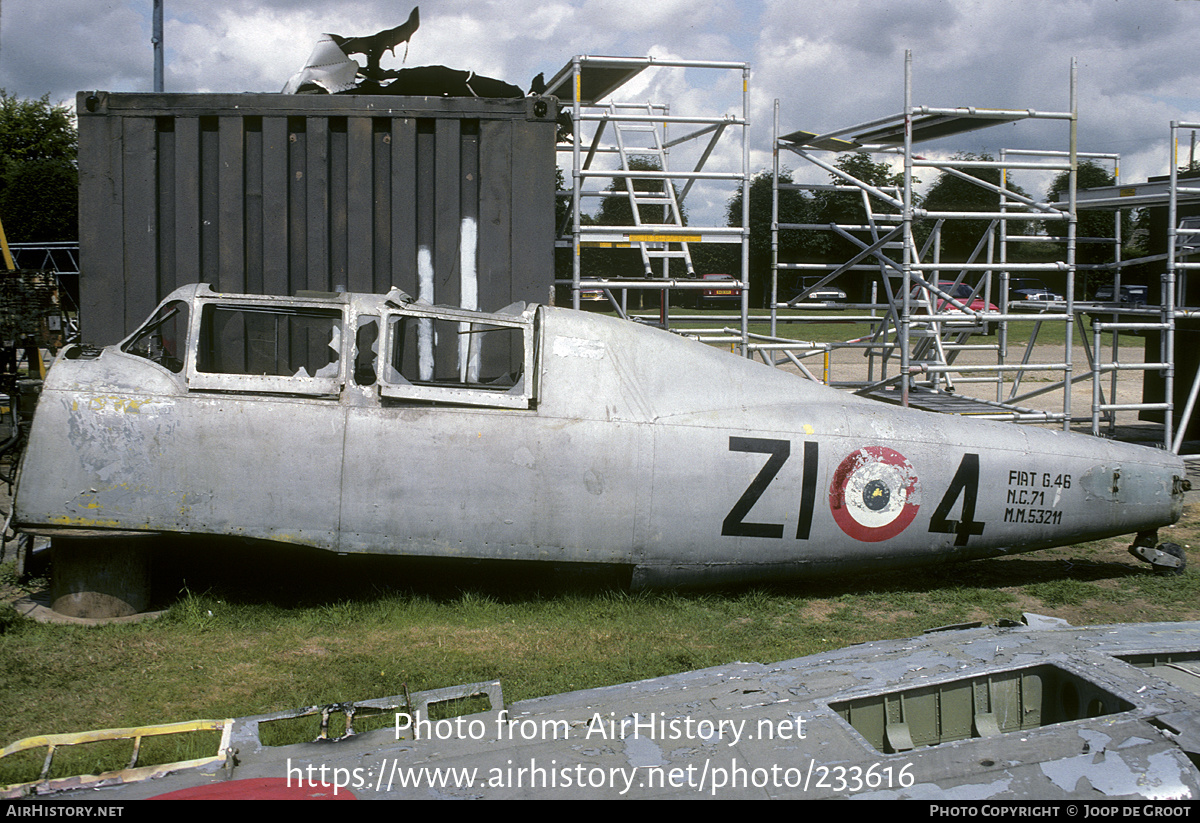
(909,241)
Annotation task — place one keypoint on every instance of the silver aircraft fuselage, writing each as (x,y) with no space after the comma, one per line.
(372,423)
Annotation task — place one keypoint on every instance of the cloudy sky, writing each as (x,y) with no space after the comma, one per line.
(831,63)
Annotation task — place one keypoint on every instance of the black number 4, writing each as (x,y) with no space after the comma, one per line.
(966,484)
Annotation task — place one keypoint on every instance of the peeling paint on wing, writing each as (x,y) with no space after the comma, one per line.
(986,651)
(1161,776)
(1121,754)
(925,660)
(1135,741)
(643,752)
(1096,741)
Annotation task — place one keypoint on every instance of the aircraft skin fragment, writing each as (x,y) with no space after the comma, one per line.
(575,438)
(1088,713)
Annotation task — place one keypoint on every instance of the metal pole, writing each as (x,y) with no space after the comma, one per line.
(1072,225)
(1116,334)
(576,181)
(9,265)
(1167,352)
(774,216)
(746,212)
(157,40)
(1096,375)
(905,315)
(1002,330)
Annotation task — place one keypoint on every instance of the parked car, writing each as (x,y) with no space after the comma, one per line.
(725,289)
(591,298)
(1028,288)
(961,293)
(1132,296)
(827,293)
(591,295)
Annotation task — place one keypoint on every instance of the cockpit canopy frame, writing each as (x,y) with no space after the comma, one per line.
(318,344)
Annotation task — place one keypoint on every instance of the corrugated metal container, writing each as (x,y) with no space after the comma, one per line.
(451,199)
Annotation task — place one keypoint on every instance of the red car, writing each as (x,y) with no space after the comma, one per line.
(961,293)
(727,289)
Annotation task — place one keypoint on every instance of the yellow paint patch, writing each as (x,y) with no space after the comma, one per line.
(116,403)
(84,522)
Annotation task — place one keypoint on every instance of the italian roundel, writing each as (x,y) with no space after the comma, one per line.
(875,494)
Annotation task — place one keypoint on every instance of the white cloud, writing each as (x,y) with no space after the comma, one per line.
(830,64)
(61,48)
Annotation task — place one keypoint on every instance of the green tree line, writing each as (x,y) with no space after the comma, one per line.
(39,180)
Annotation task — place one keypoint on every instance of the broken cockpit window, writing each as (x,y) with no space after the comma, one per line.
(451,359)
(163,339)
(293,349)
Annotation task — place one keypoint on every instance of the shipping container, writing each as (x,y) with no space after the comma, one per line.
(449,199)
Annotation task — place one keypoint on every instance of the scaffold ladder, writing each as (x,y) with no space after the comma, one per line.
(646,195)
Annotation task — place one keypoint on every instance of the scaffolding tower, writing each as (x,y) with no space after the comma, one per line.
(930,311)
(628,145)
(1130,312)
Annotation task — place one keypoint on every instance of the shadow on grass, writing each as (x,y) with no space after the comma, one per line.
(252,572)
(296,577)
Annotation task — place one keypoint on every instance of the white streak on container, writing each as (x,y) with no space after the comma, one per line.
(425,327)
(468,345)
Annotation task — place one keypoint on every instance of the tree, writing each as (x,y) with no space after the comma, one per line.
(1091,223)
(615,209)
(847,208)
(951,193)
(794,246)
(39,182)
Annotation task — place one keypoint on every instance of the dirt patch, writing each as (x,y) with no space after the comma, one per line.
(818,610)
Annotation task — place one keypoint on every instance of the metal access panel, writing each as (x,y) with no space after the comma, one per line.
(448,199)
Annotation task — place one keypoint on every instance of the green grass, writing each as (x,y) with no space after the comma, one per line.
(1065,592)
